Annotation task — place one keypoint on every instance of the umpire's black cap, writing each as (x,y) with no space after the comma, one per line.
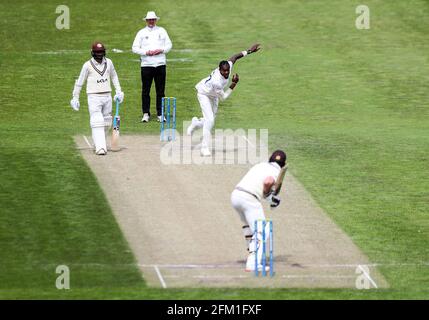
(279,157)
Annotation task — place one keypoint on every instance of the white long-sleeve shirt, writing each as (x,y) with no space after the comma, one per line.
(214,84)
(152,39)
(97,77)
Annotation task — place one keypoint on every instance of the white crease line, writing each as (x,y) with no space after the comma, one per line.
(285,276)
(161,279)
(87,142)
(220,277)
(423,264)
(368,276)
(287,265)
(292,276)
(191,266)
(212,266)
(83,148)
(333,265)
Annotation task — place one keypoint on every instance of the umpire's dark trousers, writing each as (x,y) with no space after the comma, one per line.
(148,74)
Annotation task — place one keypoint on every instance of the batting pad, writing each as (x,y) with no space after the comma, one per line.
(97,120)
(108,121)
(98,135)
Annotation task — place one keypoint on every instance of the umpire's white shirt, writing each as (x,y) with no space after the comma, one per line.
(214,84)
(152,39)
(253,181)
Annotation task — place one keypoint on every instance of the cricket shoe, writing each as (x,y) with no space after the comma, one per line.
(205,152)
(101,152)
(160,117)
(250,264)
(146,117)
(260,268)
(191,127)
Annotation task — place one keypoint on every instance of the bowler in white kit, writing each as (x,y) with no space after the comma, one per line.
(209,91)
(246,199)
(98,72)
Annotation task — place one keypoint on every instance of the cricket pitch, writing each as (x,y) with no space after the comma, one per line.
(180,225)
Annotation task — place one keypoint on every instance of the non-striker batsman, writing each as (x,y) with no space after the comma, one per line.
(98,72)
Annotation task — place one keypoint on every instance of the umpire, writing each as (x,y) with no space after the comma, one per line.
(152,44)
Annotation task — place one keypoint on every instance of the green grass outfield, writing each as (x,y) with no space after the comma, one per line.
(350,106)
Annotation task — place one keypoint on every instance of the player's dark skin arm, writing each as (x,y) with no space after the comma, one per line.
(252,49)
(234,81)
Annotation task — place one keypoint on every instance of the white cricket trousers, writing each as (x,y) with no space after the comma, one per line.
(249,209)
(209,106)
(100,117)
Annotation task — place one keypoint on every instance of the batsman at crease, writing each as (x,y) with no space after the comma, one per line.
(262,181)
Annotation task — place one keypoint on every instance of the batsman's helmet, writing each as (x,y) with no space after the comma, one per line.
(279,157)
(98,49)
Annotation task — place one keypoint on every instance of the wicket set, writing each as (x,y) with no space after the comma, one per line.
(167,104)
(263,225)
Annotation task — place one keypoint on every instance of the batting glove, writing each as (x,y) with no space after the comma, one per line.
(74,103)
(274,201)
(119,96)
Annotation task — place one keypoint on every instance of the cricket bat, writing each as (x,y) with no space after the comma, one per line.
(115,130)
(279,181)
